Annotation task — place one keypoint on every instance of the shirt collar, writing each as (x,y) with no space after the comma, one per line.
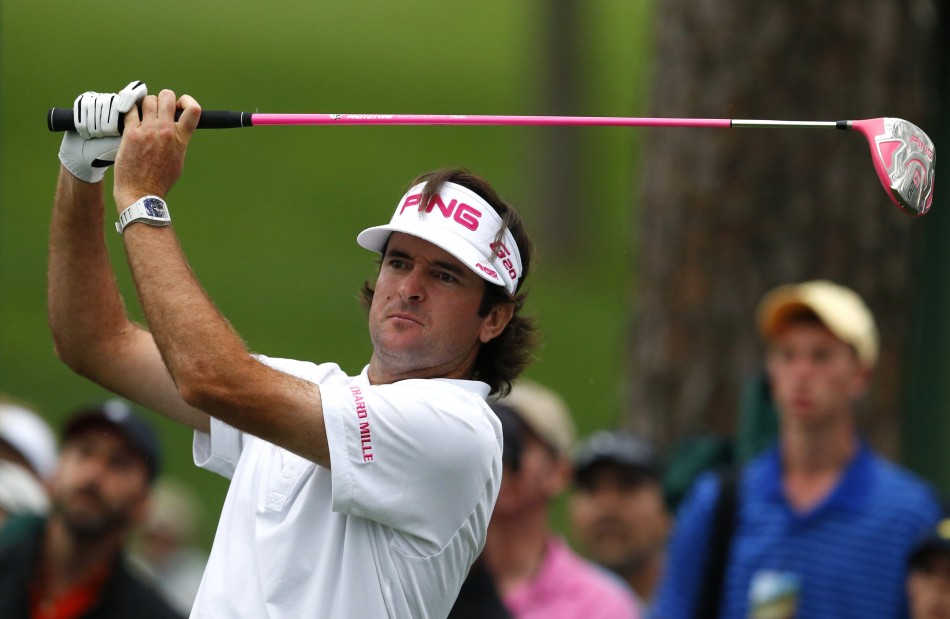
(475,387)
(850,492)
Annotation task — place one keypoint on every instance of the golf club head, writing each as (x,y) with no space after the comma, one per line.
(904,159)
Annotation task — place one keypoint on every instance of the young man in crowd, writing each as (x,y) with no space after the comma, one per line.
(822,524)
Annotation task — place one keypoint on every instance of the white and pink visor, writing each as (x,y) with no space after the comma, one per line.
(462,223)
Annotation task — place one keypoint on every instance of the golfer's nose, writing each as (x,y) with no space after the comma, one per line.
(412,286)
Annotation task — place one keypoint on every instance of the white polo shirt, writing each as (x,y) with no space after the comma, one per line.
(389,531)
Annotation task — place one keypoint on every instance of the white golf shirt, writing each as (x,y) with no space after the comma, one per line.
(389,531)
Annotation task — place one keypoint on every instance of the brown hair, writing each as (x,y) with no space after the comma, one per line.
(501,360)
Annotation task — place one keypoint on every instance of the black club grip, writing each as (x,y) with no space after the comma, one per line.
(61,119)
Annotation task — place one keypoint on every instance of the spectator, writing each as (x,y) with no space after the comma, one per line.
(20,492)
(166,544)
(26,439)
(27,459)
(617,509)
(928,578)
(71,564)
(479,597)
(820,521)
(536,573)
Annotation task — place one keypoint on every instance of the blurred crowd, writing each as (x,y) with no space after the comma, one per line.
(87,528)
(812,523)
(803,519)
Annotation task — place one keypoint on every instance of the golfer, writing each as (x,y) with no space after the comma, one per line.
(350,496)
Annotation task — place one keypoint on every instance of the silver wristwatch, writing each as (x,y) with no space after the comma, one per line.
(150,210)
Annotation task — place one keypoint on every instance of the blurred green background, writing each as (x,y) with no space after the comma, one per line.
(268,215)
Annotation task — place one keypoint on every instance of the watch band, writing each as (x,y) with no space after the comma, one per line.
(150,210)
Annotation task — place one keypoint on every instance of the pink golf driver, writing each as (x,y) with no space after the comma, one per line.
(902,153)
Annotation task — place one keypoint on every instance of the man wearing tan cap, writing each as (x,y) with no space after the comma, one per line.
(822,525)
(537,575)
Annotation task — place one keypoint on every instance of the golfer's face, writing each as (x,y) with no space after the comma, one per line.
(424,317)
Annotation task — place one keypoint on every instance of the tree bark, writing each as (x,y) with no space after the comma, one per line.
(726,214)
(560,151)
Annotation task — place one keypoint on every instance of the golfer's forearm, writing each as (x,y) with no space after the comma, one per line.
(207,360)
(85,309)
(191,334)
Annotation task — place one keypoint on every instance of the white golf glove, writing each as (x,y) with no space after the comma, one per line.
(91,148)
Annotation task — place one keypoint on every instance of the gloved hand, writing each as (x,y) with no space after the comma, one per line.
(91,148)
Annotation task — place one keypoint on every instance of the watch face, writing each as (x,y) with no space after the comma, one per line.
(154,207)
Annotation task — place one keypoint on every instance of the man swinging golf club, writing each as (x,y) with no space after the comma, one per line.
(350,496)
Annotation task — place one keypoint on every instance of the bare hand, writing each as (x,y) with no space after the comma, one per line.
(152,154)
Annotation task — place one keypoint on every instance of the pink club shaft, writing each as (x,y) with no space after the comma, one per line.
(457,119)
(903,154)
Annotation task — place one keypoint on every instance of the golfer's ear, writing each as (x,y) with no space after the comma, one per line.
(496,321)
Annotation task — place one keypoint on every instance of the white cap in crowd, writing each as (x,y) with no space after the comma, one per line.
(26,433)
(544,412)
(20,492)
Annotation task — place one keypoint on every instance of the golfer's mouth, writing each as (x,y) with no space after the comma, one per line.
(403,317)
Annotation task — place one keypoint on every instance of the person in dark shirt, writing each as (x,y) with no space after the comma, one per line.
(928,574)
(71,565)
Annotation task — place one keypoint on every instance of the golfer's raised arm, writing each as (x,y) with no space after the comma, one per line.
(208,361)
(91,330)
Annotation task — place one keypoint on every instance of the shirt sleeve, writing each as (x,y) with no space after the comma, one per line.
(685,569)
(219,450)
(419,456)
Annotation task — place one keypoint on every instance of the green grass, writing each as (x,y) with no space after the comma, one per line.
(268,216)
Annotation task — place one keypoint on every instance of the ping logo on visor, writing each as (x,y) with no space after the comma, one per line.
(459,221)
(460,212)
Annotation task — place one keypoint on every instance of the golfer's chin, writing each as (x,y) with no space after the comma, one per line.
(402,354)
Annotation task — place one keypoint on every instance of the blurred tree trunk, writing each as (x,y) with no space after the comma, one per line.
(726,214)
(560,153)
(927,426)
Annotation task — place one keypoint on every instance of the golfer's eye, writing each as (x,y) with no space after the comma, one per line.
(446,277)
